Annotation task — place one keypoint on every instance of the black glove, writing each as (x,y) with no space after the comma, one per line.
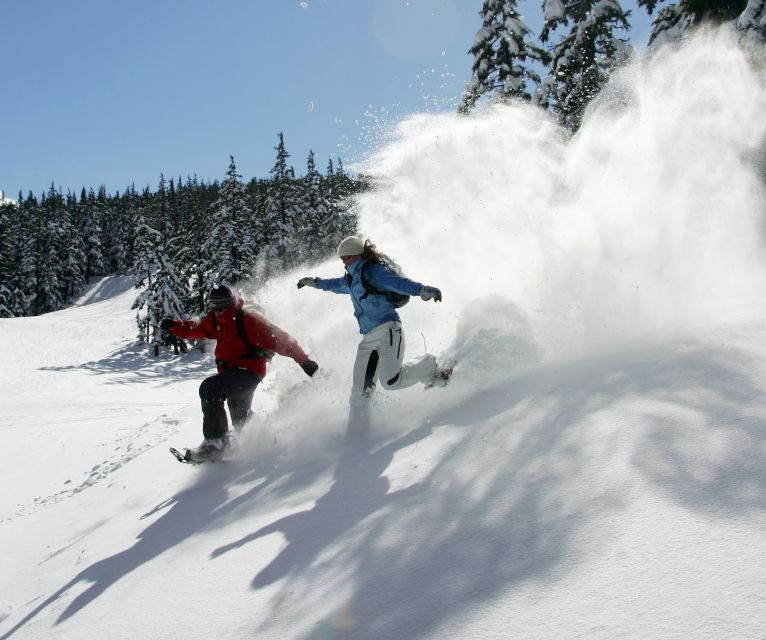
(310,367)
(167,324)
(431,293)
(307,282)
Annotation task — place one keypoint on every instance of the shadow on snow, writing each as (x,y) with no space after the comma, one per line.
(133,363)
(498,508)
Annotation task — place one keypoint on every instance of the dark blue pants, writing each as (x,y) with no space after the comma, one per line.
(234,386)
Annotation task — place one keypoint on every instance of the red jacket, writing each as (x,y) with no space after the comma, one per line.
(230,349)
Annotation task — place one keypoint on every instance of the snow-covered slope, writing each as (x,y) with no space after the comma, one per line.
(596,469)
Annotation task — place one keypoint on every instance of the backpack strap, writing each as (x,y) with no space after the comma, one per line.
(369,288)
(252,351)
(396,299)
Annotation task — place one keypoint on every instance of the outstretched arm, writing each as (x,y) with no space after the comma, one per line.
(190,329)
(386,280)
(262,333)
(336,285)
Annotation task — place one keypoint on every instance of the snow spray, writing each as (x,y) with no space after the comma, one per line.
(544,245)
(650,217)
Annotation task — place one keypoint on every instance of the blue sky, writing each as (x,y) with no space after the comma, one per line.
(111,93)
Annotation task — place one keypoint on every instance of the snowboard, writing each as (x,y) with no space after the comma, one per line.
(182,458)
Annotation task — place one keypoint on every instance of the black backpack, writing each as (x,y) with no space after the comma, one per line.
(396,299)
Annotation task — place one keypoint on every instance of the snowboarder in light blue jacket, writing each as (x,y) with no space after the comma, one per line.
(376,290)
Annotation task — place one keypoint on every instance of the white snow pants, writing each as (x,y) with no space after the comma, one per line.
(379,358)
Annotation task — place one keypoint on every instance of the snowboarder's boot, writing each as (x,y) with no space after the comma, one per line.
(440,378)
(210,450)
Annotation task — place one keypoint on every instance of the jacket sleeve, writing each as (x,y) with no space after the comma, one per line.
(192,329)
(336,285)
(262,333)
(386,280)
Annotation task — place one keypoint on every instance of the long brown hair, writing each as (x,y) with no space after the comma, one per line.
(370,251)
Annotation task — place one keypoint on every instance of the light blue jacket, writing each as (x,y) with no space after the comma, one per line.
(372,310)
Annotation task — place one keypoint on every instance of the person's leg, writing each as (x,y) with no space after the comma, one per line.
(395,375)
(214,421)
(239,393)
(364,377)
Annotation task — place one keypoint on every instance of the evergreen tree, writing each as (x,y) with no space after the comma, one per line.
(90,214)
(673,21)
(583,58)
(116,228)
(280,209)
(160,216)
(6,260)
(145,264)
(164,297)
(196,263)
(229,244)
(752,22)
(261,232)
(24,227)
(339,220)
(315,209)
(178,241)
(73,251)
(502,55)
(47,254)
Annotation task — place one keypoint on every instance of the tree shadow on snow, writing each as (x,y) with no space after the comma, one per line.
(503,505)
(190,511)
(706,452)
(133,363)
(200,507)
(358,491)
(473,532)
(471,537)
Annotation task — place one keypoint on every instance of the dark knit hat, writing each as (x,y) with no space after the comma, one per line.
(222,297)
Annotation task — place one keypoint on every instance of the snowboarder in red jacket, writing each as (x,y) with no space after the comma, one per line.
(245,342)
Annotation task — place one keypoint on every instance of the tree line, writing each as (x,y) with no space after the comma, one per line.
(581,42)
(178,240)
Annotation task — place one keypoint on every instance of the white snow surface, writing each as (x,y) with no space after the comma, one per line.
(596,468)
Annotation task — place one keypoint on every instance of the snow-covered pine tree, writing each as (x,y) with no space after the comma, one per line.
(503,56)
(6,259)
(196,264)
(280,210)
(595,43)
(132,217)
(340,220)
(314,205)
(47,254)
(24,245)
(105,213)
(752,22)
(73,250)
(91,230)
(673,21)
(229,244)
(159,213)
(164,301)
(5,301)
(117,229)
(162,291)
(145,264)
